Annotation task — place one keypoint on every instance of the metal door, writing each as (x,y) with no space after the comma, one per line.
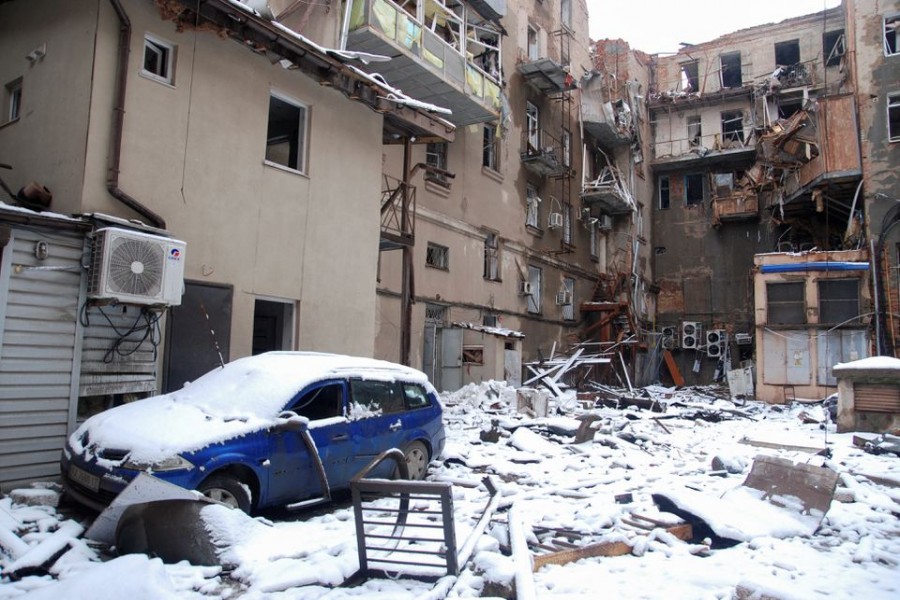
(451,359)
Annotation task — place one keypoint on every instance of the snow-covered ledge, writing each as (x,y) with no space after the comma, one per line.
(868,394)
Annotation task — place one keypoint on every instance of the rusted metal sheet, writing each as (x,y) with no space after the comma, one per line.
(876,398)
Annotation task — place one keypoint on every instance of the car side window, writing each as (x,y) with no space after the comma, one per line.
(323,402)
(376,395)
(415,396)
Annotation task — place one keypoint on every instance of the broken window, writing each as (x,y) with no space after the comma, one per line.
(489,153)
(473,355)
(694,130)
(533,49)
(838,301)
(159,59)
(492,257)
(693,189)
(733,127)
(730,72)
(833,47)
(724,184)
(535,277)
(323,402)
(789,106)
(533,127)
(384,396)
(592,236)
(567,148)
(664,192)
(891,26)
(489,320)
(785,304)
(286,134)
(532,204)
(893,106)
(690,76)
(437,256)
(12,100)
(787,53)
(436,156)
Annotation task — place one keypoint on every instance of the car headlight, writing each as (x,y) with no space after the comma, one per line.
(173,463)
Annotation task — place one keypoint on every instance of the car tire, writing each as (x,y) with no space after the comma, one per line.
(227,490)
(417,460)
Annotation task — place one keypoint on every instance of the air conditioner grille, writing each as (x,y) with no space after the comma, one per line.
(135,267)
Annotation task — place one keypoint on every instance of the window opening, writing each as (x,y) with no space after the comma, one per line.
(891,26)
(286,134)
(731,70)
(785,303)
(533,50)
(489,156)
(833,47)
(733,128)
(788,107)
(534,298)
(567,148)
(491,257)
(324,402)
(159,59)
(567,224)
(838,301)
(593,235)
(568,299)
(437,257)
(690,76)
(694,130)
(664,192)
(787,53)
(533,127)
(13,100)
(894,117)
(693,189)
(565,10)
(436,156)
(532,204)
(473,355)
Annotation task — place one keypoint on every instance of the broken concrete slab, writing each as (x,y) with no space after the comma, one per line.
(172,530)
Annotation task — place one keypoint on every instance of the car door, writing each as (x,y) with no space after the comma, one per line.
(378,414)
(292,470)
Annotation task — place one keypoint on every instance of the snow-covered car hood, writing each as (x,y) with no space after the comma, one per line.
(242,397)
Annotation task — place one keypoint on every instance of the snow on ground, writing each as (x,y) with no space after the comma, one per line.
(588,489)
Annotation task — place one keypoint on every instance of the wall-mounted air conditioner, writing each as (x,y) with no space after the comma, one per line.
(605,223)
(669,338)
(133,267)
(690,335)
(564,298)
(524,288)
(715,343)
(742,339)
(555,221)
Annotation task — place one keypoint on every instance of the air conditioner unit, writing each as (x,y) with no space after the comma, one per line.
(133,267)
(715,342)
(690,335)
(669,338)
(742,339)
(564,298)
(555,221)
(524,288)
(605,223)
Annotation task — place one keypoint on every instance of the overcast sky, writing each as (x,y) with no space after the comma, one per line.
(657,26)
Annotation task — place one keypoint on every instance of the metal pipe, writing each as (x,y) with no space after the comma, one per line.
(115,159)
(876,294)
(853,209)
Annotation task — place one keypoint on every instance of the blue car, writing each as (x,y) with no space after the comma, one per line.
(277,429)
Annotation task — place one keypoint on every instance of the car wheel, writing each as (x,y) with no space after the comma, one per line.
(416,460)
(227,490)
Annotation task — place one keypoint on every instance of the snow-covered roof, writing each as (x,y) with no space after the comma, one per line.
(888,363)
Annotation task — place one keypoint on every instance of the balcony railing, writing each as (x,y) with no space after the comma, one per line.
(542,153)
(423,65)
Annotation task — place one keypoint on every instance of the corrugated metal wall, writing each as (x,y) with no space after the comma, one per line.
(39,351)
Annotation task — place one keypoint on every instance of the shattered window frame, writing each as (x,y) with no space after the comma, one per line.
(159,59)
(473,355)
(891,36)
(733,126)
(12,100)
(535,277)
(532,127)
(694,130)
(437,256)
(893,117)
(787,53)
(436,156)
(490,156)
(786,302)
(568,310)
(665,193)
(833,47)
(491,257)
(567,148)
(532,206)
(532,43)
(690,75)
(287,127)
(730,75)
(691,181)
(839,301)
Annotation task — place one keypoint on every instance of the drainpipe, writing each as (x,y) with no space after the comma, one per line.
(112,179)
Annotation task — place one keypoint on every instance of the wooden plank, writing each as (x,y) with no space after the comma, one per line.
(677,378)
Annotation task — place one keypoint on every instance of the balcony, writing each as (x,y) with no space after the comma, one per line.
(609,121)
(547,76)
(738,207)
(423,65)
(542,154)
(607,194)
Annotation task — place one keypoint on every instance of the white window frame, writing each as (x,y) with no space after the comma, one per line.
(532,206)
(166,51)
(13,100)
(491,151)
(436,155)
(893,102)
(302,133)
(491,257)
(533,126)
(535,277)
(533,42)
(568,310)
(889,23)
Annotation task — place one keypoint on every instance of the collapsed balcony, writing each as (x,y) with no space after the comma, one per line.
(607,194)
(606,118)
(449,58)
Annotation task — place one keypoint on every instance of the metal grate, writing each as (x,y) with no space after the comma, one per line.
(876,398)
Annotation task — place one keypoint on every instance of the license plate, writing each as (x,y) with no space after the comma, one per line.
(92,482)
